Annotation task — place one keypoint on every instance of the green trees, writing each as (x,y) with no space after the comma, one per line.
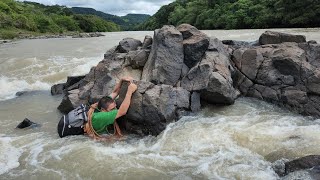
(237,14)
(35,17)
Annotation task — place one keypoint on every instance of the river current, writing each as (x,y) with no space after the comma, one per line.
(234,142)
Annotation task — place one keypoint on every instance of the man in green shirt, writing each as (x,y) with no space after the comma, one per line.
(108,111)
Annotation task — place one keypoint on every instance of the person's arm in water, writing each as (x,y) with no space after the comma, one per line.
(117,88)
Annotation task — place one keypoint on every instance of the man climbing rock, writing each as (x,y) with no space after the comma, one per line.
(105,112)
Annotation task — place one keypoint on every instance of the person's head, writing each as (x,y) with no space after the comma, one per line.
(106,104)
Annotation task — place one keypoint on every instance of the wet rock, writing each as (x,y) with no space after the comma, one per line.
(310,163)
(57,89)
(73,82)
(271,37)
(26,123)
(20,93)
(128,44)
(166,58)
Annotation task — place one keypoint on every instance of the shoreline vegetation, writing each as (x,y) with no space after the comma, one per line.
(236,14)
(23,19)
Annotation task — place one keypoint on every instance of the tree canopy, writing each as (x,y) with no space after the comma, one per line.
(35,17)
(237,14)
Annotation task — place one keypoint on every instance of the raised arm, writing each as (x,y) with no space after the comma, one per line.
(116,89)
(127,100)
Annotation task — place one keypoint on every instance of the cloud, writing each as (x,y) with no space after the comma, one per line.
(117,7)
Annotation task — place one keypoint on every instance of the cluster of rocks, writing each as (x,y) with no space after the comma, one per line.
(174,69)
(5,41)
(44,36)
(181,67)
(87,35)
(286,72)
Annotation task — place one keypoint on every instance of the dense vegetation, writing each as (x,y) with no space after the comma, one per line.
(17,17)
(125,22)
(237,14)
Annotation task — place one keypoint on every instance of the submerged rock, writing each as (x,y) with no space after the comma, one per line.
(72,83)
(307,162)
(27,123)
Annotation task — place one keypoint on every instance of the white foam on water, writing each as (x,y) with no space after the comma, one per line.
(37,74)
(10,86)
(9,155)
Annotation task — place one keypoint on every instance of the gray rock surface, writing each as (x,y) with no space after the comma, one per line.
(147,42)
(286,74)
(195,44)
(165,61)
(271,37)
(128,44)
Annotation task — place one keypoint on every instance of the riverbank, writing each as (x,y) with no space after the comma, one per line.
(12,34)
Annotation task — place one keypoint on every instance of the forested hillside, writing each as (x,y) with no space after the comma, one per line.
(34,17)
(125,22)
(237,14)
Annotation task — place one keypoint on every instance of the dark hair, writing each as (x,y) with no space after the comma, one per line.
(105,102)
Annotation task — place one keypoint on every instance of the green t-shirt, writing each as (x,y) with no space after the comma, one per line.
(100,120)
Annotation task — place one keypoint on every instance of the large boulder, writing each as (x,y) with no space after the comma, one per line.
(165,61)
(128,44)
(271,37)
(155,106)
(195,44)
(212,76)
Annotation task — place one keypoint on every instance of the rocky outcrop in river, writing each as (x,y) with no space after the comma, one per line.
(180,67)
(286,73)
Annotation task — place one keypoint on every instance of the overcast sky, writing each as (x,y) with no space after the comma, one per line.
(117,7)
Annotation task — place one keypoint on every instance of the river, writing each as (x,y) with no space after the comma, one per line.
(235,142)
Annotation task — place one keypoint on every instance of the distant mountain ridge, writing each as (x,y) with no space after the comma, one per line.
(126,22)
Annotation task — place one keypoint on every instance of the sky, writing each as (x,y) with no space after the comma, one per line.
(116,7)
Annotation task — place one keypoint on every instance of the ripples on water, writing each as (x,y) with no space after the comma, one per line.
(235,142)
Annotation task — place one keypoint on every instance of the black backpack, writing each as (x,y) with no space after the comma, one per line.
(73,122)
